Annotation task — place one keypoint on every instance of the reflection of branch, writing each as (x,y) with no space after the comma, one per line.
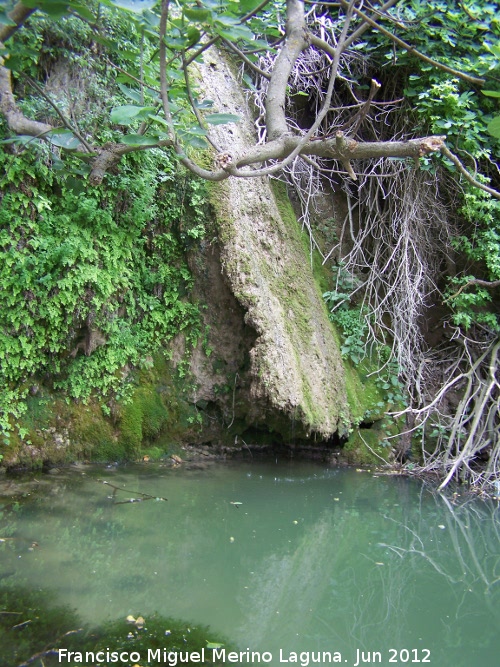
(468,540)
(400,551)
(50,651)
(144,496)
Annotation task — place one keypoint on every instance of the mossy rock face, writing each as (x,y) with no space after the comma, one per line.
(94,435)
(295,365)
(143,418)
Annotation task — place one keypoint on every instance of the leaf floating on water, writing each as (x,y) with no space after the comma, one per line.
(236,503)
(130,619)
(214,645)
(441,526)
(336,500)
(139,622)
(231,539)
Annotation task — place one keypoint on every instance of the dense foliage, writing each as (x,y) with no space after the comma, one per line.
(94,281)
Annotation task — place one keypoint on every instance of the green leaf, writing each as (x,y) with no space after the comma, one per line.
(136,6)
(82,11)
(494,127)
(64,139)
(205,104)
(19,139)
(222,118)
(125,115)
(139,140)
(193,36)
(491,93)
(247,6)
(133,95)
(54,8)
(196,142)
(198,14)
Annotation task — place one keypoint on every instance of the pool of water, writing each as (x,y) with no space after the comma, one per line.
(282,559)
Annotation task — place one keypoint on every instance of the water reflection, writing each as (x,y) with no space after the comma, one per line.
(296,558)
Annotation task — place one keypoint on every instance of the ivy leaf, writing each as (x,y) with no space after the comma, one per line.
(222,118)
(248,6)
(22,139)
(193,36)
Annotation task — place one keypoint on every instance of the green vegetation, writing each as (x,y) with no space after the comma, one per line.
(94,281)
(53,626)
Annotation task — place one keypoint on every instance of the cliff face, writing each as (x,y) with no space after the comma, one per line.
(294,362)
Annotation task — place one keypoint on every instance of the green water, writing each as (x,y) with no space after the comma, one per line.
(311,560)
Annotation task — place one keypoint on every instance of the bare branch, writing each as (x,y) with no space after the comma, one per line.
(247,61)
(446,151)
(85,145)
(365,26)
(411,49)
(476,281)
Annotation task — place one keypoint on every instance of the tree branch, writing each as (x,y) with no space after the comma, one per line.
(16,120)
(365,26)
(490,284)
(446,151)
(295,43)
(411,49)
(333,149)
(85,145)
(19,14)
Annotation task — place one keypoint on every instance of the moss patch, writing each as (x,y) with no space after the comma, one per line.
(364,447)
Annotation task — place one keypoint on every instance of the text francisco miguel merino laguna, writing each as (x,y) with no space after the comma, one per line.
(221,655)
